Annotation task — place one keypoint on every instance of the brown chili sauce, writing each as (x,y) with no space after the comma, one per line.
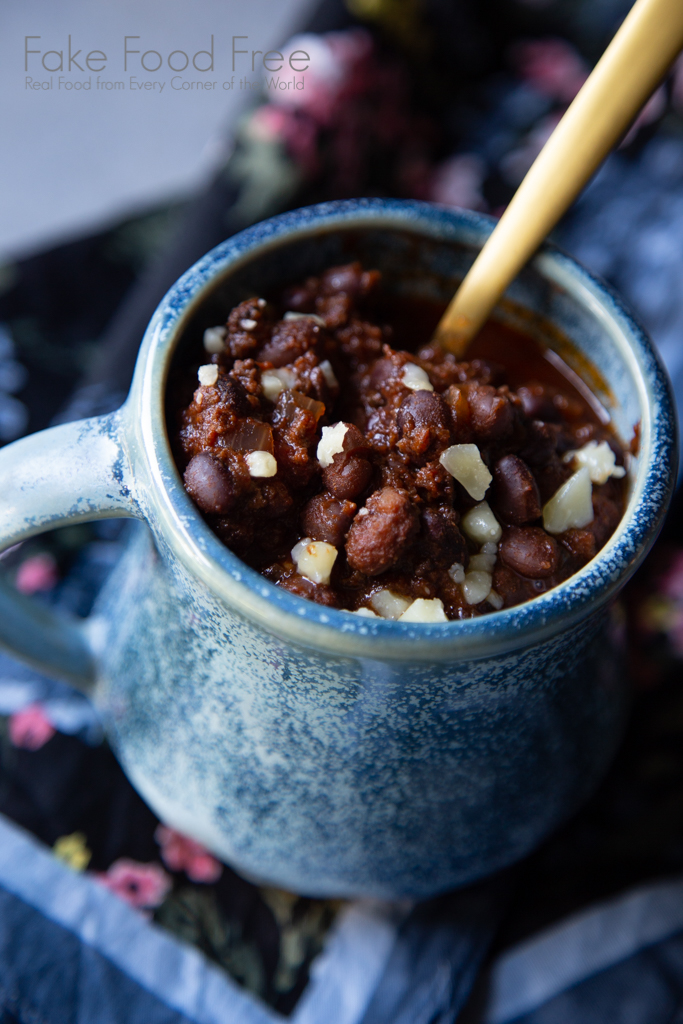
(353,463)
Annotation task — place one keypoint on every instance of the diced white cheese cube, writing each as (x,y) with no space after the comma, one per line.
(477,587)
(214,339)
(598,459)
(366,613)
(481,563)
(571,505)
(291,315)
(464,462)
(207,375)
(331,443)
(495,600)
(481,525)
(261,303)
(424,610)
(415,378)
(389,605)
(457,572)
(261,464)
(272,385)
(274,382)
(314,559)
(248,324)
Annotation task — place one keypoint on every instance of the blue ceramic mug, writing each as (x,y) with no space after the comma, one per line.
(311,748)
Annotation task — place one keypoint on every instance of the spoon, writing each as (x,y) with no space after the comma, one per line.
(631,67)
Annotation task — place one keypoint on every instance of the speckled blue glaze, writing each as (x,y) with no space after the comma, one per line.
(331,754)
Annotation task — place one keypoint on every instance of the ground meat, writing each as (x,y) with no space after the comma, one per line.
(248,327)
(320,426)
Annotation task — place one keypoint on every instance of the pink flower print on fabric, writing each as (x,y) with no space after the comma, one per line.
(182,854)
(143,886)
(30,728)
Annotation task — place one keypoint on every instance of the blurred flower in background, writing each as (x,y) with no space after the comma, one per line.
(179,853)
(30,728)
(142,886)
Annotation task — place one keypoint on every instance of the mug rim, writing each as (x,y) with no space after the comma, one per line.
(338,632)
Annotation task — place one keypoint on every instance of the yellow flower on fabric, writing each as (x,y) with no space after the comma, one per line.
(72,851)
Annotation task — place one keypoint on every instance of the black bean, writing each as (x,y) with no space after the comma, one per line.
(209,484)
(530,551)
(492,414)
(350,471)
(538,403)
(347,476)
(327,518)
(346,279)
(424,409)
(517,498)
(461,416)
(443,542)
(378,539)
(541,441)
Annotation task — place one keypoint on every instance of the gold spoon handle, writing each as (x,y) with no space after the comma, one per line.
(631,67)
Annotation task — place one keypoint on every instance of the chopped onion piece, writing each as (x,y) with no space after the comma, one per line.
(261,464)
(481,525)
(598,459)
(294,400)
(331,443)
(389,605)
(415,378)
(424,610)
(251,436)
(464,462)
(457,572)
(207,375)
(477,587)
(214,339)
(314,559)
(571,506)
(328,374)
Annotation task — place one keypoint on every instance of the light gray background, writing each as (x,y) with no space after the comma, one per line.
(73,161)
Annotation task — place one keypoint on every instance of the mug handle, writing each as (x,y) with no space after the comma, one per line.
(68,474)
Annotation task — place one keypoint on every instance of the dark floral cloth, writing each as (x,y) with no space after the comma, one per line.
(418,98)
